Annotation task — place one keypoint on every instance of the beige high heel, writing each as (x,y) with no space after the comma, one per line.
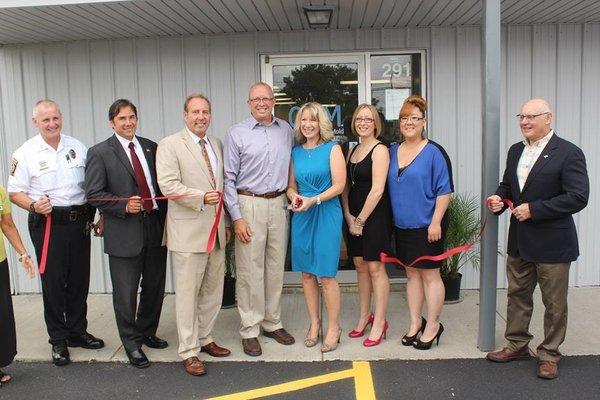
(312,342)
(327,348)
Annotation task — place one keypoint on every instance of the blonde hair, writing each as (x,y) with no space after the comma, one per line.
(374,114)
(317,112)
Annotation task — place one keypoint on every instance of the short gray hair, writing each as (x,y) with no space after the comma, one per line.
(46,102)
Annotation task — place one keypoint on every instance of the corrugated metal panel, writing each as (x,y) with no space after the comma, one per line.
(589,218)
(556,62)
(149,18)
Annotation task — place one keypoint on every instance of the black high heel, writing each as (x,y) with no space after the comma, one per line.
(409,340)
(418,344)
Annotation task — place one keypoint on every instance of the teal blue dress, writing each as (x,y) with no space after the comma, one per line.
(316,233)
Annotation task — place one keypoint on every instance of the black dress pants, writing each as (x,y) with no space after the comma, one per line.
(65,283)
(134,320)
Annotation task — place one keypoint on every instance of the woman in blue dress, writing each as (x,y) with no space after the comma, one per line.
(317,178)
(420,186)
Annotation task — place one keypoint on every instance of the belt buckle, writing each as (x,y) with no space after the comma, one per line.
(72,215)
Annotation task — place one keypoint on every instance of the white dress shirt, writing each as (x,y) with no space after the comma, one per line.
(530,154)
(140,153)
(212,156)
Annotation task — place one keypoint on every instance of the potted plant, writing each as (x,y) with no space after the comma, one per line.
(229,284)
(464,225)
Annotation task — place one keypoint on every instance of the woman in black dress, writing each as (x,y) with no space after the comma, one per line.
(368,215)
(8,338)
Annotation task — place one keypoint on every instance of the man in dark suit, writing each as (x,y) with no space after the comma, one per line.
(546,179)
(123,166)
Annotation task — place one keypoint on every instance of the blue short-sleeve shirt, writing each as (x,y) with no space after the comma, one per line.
(414,189)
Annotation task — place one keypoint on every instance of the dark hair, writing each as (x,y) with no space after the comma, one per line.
(195,96)
(116,107)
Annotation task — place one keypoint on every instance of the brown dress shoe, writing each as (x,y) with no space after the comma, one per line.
(214,350)
(547,369)
(281,336)
(507,355)
(251,347)
(194,366)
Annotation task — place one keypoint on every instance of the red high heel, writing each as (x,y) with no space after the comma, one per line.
(370,343)
(355,334)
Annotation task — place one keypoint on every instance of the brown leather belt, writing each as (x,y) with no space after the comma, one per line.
(269,195)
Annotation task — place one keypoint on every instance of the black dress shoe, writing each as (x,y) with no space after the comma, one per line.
(137,358)
(155,342)
(87,341)
(60,354)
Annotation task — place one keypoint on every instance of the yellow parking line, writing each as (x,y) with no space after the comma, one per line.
(363,381)
(294,385)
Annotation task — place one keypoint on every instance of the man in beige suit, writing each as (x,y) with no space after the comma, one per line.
(190,163)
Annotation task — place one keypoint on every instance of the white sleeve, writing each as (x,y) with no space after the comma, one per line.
(19,178)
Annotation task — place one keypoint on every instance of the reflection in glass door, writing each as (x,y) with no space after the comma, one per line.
(340,82)
(331,81)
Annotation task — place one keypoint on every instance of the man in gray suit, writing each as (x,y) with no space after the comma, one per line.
(123,166)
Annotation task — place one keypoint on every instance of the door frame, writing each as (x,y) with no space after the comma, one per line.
(361,58)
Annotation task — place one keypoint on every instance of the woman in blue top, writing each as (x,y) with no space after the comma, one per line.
(420,184)
(317,177)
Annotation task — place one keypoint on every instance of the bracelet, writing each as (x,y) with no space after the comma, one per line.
(318,200)
(359,222)
(22,256)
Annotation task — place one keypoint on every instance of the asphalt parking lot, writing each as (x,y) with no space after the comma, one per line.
(416,379)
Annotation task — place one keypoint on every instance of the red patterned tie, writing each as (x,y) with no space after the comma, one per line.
(208,164)
(140,178)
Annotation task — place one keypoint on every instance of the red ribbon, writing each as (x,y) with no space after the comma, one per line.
(447,254)
(212,238)
(45,243)
(210,245)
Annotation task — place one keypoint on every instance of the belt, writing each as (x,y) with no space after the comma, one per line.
(65,215)
(268,195)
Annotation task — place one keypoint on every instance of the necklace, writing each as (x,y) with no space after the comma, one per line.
(309,151)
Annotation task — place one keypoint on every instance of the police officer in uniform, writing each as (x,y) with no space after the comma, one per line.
(47,177)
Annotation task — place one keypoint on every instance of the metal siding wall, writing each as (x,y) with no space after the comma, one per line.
(467,137)
(588,272)
(156,73)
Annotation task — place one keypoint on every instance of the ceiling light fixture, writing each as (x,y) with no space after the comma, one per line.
(318,17)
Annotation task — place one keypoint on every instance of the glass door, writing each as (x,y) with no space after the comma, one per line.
(336,82)
(340,82)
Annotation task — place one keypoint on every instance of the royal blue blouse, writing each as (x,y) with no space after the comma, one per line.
(414,188)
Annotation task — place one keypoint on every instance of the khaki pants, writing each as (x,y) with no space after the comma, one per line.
(260,263)
(554,284)
(198,295)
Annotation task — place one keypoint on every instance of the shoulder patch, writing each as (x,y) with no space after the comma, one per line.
(13,166)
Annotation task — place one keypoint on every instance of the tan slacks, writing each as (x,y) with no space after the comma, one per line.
(198,294)
(260,263)
(554,284)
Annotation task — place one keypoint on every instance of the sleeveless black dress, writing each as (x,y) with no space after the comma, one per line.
(377,232)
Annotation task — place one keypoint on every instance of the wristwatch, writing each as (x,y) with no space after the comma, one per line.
(32,206)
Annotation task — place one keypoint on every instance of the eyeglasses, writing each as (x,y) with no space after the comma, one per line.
(412,119)
(258,100)
(522,117)
(367,120)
